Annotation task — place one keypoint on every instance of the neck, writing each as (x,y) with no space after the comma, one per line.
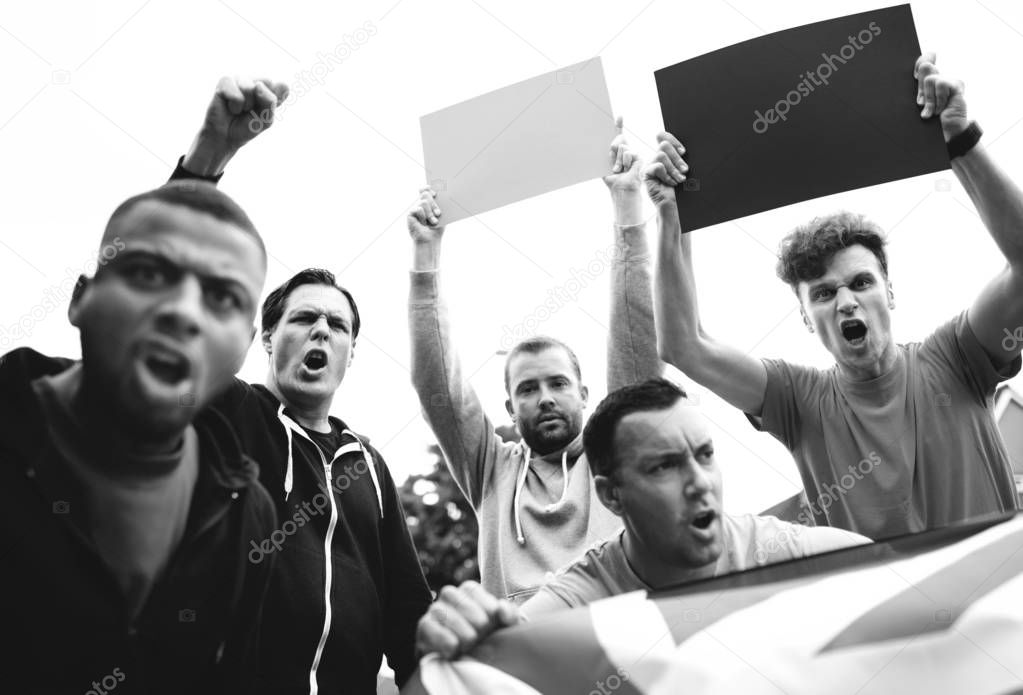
(313,415)
(654,571)
(880,366)
(109,432)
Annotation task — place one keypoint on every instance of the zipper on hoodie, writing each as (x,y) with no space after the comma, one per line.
(329,574)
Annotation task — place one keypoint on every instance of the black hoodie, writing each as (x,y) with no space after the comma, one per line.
(377,591)
(66,621)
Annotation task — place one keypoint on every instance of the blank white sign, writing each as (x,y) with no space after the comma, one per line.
(526,139)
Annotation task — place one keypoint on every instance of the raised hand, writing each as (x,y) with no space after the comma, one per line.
(424,218)
(624,163)
(938,94)
(666,171)
(241,108)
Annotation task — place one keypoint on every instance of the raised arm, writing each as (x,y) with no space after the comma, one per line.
(240,109)
(632,339)
(451,407)
(732,374)
(996,316)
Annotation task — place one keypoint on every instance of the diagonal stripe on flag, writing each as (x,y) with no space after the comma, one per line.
(918,609)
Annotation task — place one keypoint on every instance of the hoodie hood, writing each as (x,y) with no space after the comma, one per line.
(563,456)
(24,430)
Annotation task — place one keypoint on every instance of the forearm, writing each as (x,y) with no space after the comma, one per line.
(426,254)
(998,200)
(675,304)
(208,156)
(628,207)
(451,407)
(632,337)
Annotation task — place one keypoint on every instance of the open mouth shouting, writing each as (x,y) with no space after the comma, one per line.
(314,363)
(854,331)
(163,371)
(702,523)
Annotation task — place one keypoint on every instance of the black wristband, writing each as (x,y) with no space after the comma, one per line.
(965,141)
(183,174)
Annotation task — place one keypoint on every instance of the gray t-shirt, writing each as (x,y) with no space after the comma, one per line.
(749,541)
(913,449)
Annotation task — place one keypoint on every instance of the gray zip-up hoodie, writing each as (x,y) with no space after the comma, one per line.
(538,517)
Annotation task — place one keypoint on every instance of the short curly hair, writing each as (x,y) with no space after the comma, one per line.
(804,254)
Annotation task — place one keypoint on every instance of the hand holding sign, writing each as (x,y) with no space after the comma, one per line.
(938,94)
(666,171)
(783,133)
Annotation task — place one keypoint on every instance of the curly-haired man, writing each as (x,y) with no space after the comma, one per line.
(893,438)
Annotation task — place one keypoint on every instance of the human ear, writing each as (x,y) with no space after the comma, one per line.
(74,309)
(608,493)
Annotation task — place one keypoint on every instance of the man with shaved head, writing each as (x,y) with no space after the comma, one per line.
(128,506)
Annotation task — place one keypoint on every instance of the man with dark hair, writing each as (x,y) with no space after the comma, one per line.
(273,305)
(347,587)
(128,506)
(535,500)
(653,465)
(919,414)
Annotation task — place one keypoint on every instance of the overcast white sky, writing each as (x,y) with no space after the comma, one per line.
(101,99)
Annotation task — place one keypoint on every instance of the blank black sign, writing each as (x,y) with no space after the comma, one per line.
(798,114)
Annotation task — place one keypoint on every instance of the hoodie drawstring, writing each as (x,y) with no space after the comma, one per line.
(521,483)
(369,463)
(289,473)
(290,425)
(518,489)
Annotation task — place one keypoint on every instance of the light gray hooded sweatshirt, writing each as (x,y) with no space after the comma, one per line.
(533,518)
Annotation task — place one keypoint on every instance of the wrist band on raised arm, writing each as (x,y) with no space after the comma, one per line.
(183,174)
(965,141)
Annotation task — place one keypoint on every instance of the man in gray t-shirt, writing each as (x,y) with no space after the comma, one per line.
(653,465)
(893,438)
